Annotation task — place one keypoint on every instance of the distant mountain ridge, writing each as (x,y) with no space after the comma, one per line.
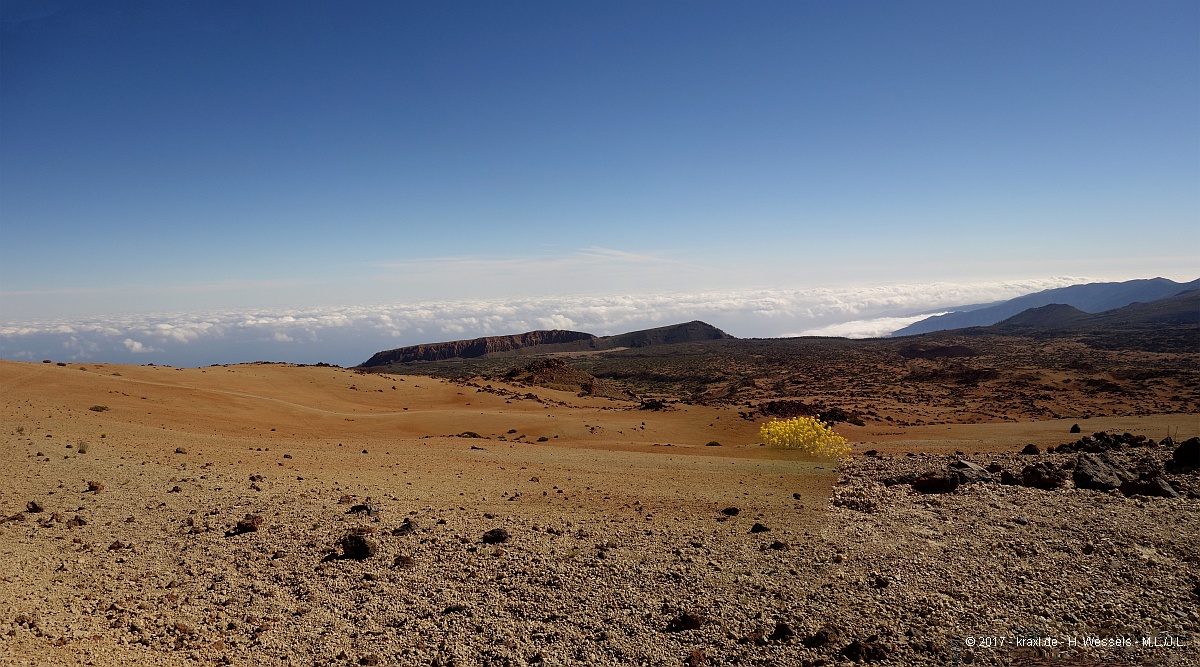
(545,341)
(1088,298)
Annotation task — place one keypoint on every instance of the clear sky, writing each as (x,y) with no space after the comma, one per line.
(198,156)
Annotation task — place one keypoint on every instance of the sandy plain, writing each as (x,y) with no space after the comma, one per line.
(618,551)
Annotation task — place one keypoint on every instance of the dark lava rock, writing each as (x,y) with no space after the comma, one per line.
(782,633)
(1187,455)
(495,536)
(759,528)
(969,472)
(358,547)
(685,621)
(822,637)
(250,524)
(730,511)
(369,509)
(932,482)
(407,527)
(863,651)
(1031,450)
(1093,473)
(1043,475)
(1076,429)
(33,507)
(1155,486)
(882,581)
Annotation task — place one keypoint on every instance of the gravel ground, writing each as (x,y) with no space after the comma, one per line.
(875,573)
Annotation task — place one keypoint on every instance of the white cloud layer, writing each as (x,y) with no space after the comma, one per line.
(348,335)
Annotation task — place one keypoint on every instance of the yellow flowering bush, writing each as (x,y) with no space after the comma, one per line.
(806,433)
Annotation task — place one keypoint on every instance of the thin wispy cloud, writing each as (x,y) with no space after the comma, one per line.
(347,335)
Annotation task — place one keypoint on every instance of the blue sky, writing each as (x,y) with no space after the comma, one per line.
(198,156)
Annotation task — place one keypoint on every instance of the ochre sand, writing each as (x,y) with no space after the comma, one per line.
(610,479)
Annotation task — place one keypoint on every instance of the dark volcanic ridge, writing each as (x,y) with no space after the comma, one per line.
(545,342)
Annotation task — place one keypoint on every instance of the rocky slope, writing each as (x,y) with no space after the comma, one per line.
(541,342)
(476,347)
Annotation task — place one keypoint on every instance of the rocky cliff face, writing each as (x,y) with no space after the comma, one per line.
(476,347)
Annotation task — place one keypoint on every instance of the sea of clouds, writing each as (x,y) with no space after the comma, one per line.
(348,335)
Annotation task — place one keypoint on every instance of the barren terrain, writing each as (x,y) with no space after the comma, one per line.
(279,514)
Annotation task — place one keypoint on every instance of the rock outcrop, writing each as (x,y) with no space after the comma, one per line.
(476,347)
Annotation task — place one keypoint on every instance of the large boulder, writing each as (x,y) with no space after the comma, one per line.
(1091,472)
(1187,454)
(969,472)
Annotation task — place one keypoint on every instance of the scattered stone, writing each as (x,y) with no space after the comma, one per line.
(357,547)
(822,637)
(180,450)
(778,546)
(369,660)
(881,581)
(404,562)
(495,536)
(370,509)
(176,489)
(1031,450)
(933,482)
(1076,429)
(33,507)
(782,633)
(864,651)
(758,528)
(730,511)
(76,522)
(344,500)
(696,658)
(685,621)
(407,527)
(250,524)
(94,487)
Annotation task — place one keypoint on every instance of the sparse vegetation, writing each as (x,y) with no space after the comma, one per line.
(807,434)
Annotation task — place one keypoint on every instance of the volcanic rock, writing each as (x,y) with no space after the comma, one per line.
(495,536)
(932,482)
(1093,473)
(969,472)
(1187,455)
